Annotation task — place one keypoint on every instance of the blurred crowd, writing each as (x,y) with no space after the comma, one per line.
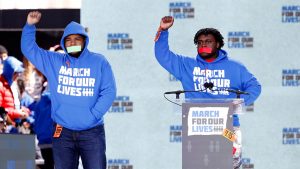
(25,105)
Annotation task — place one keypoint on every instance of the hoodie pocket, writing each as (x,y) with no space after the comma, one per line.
(76,117)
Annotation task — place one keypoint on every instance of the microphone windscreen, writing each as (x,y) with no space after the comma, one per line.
(209,85)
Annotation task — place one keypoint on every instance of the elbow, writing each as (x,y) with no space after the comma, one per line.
(113,95)
(24,47)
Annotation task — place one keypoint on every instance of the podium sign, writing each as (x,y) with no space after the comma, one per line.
(204,127)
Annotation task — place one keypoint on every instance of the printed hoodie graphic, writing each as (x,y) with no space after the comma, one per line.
(82,89)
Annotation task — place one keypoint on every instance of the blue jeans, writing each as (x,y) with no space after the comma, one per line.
(88,144)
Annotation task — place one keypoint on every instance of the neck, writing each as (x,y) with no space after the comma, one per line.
(209,60)
(212,56)
(75,55)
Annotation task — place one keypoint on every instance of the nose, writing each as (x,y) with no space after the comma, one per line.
(72,42)
(203,45)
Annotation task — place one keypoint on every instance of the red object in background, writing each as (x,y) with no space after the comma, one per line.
(233,150)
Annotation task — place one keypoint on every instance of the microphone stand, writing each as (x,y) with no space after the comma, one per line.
(178,92)
(237,92)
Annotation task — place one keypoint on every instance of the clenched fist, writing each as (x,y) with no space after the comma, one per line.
(166,22)
(33,17)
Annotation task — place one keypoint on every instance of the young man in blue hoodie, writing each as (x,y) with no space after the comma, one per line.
(82,89)
(211,66)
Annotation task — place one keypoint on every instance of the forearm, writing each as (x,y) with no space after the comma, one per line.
(107,92)
(104,102)
(166,58)
(30,49)
(254,92)
(253,87)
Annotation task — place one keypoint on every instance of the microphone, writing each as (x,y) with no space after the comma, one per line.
(208,85)
(238,91)
(178,92)
(175,92)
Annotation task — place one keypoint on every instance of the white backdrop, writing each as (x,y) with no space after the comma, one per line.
(141,137)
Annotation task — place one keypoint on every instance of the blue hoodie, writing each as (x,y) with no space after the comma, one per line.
(223,72)
(43,125)
(82,89)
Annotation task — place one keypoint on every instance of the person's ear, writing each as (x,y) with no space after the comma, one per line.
(218,45)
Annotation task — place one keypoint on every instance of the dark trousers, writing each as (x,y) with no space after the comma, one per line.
(88,144)
(47,155)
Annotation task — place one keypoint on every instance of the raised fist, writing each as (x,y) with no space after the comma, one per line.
(33,17)
(166,22)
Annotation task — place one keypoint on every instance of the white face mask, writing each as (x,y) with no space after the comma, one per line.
(73,49)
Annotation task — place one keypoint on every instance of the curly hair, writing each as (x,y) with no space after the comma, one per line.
(219,38)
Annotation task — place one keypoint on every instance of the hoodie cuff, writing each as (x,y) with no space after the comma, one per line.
(96,114)
(27,26)
(164,33)
(161,34)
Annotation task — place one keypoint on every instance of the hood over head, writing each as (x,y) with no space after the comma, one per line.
(74,28)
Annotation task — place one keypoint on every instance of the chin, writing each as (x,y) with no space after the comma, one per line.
(74,53)
(205,55)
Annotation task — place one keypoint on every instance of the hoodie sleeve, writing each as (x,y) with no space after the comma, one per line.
(107,92)
(39,57)
(173,63)
(250,85)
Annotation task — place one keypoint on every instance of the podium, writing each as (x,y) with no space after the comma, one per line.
(207,133)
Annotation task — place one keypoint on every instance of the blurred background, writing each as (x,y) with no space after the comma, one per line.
(143,130)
